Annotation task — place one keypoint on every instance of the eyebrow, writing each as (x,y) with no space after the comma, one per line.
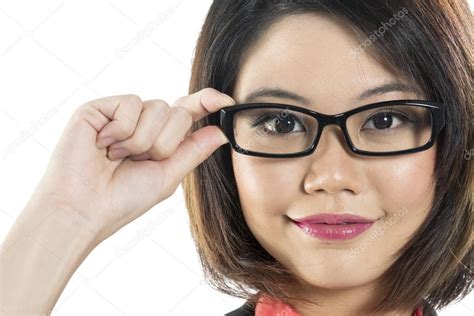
(285,94)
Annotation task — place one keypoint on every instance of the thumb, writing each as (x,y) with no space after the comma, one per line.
(194,149)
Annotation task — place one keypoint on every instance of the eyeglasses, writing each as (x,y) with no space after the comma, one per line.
(277,130)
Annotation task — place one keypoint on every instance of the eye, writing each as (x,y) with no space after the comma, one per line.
(278,124)
(386,120)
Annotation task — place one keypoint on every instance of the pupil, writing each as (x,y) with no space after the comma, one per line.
(285,125)
(383,121)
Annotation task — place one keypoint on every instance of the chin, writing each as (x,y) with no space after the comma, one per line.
(332,281)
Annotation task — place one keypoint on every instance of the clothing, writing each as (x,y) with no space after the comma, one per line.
(277,308)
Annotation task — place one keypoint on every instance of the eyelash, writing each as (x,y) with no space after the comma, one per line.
(258,120)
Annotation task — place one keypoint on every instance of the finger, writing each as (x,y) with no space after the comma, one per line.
(184,112)
(151,121)
(195,148)
(140,157)
(204,102)
(176,127)
(123,111)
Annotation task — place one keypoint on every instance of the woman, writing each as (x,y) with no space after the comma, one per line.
(343,190)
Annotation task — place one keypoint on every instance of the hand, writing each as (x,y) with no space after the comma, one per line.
(150,150)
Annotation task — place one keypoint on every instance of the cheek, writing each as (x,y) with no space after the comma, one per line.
(404,188)
(265,186)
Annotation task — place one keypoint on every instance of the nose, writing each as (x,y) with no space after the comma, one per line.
(333,168)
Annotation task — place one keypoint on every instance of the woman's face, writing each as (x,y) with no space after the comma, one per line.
(311,55)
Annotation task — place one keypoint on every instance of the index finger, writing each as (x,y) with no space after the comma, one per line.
(204,102)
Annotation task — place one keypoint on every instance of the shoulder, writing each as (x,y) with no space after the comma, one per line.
(247,309)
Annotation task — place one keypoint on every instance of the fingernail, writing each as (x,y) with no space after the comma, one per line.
(228,98)
(118,153)
(105,141)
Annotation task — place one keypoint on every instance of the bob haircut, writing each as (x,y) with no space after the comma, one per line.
(431,47)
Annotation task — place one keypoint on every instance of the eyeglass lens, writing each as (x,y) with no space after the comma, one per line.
(283,131)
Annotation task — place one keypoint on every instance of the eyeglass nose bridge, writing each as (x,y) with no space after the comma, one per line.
(325,120)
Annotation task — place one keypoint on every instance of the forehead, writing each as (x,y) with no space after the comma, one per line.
(312,55)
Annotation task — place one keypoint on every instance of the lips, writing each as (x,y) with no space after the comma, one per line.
(328,218)
(328,226)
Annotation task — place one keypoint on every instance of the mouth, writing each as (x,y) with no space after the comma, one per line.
(328,226)
(333,218)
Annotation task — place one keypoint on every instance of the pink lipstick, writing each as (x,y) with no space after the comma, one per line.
(328,226)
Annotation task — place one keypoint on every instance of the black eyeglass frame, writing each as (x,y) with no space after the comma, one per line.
(437,111)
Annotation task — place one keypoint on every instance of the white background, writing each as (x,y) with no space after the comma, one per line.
(54,56)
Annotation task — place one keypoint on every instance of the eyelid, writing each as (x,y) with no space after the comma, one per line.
(258,118)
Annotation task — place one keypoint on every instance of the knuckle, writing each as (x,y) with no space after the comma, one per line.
(180,100)
(84,109)
(160,103)
(84,112)
(88,106)
(139,144)
(124,128)
(184,115)
(158,106)
(161,149)
(131,99)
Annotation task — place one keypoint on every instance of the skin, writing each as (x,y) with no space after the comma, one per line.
(128,146)
(117,157)
(310,55)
